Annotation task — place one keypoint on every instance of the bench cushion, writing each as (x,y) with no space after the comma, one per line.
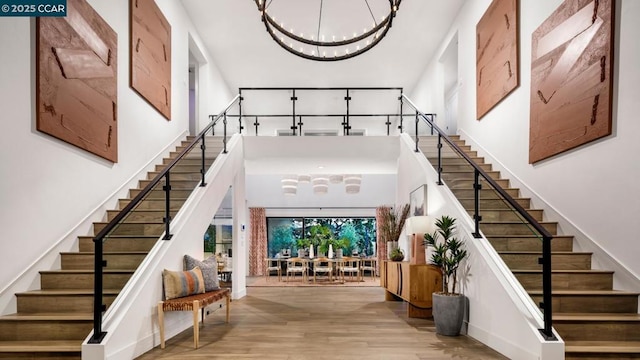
(178,284)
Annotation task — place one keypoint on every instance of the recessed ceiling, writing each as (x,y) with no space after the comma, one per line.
(246,55)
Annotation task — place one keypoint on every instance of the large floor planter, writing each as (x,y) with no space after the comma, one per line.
(448,313)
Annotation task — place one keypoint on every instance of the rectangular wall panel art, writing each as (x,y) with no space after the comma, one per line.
(151,55)
(571,78)
(76,80)
(496,55)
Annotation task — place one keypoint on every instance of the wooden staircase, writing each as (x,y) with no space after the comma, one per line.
(595,321)
(52,323)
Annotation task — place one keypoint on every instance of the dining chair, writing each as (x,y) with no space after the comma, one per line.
(322,266)
(297,265)
(368,264)
(272,265)
(349,266)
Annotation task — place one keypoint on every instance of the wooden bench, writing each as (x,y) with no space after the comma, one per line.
(192,303)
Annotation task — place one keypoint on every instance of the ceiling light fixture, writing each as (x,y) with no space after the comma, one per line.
(320,183)
(342,49)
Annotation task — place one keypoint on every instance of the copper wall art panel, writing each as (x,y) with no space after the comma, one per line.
(76,80)
(497,59)
(571,78)
(151,55)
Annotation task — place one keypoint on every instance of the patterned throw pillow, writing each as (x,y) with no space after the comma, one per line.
(182,283)
(209,269)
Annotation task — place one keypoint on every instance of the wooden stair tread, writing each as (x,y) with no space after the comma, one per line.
(564,271)
(123,236)
(173,198)
(510,222)
(106,253)
(57,292)
(526,236)
(177,172)
(596,317)
(144,210)
(587,292)
(87,271)
(472,198)
(508,252)
(623,347)
(61,316)
(134,221)
(41,346)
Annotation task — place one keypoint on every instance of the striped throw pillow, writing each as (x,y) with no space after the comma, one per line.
(182,283)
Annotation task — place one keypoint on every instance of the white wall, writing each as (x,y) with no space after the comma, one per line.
(267,159)
(593,186)
(48,186)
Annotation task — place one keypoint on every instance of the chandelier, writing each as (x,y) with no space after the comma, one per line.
(324,39)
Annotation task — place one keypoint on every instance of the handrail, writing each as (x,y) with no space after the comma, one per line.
(99,307)
(546,235)
(319,88)
(316,115)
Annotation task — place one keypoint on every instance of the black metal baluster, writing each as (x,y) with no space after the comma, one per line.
(440,159)
(547,302)
(213,128)
(300,123)
(432,124)
(98,306)
(256,124)
(401,111)
(388,123)
(167,207)
(224,137)
(417,138)
(476,203)
(203,147)
(240,127)
(347,126)
(293,118)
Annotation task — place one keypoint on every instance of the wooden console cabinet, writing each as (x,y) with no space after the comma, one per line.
(411,283)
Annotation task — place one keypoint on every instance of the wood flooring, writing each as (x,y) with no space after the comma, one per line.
(318,323)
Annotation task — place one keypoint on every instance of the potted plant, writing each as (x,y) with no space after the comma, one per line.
(391,224)
(303,244)
(448,254)
(318,236)
(340,245)
(396,254)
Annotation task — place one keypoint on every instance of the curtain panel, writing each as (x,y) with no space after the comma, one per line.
(258,241)
(381,246)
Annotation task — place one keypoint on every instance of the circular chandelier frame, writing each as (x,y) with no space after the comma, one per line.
(377,33)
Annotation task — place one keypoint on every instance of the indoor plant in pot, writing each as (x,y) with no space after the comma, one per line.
(396,254)
(448,254)
(391,225)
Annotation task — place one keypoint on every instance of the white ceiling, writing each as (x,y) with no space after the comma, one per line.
(246,55)
(321,155)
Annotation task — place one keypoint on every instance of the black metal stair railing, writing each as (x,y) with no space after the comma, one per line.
(298,94)
(479,174)
(99,263)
